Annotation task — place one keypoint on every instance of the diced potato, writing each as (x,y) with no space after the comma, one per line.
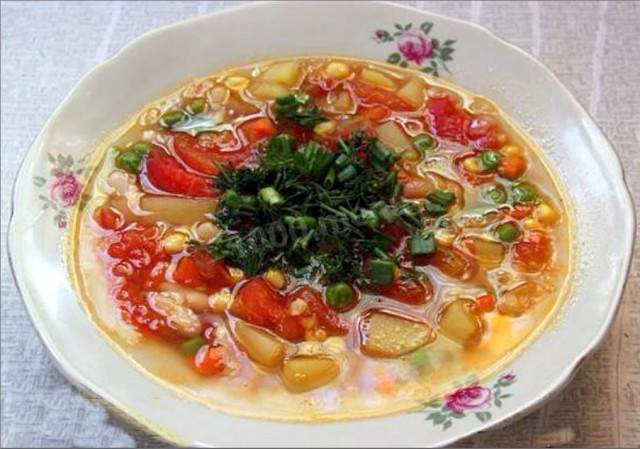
(472,165)
(414,92)
(392,134)
(518,300)
(377,78)
(261,346)
(285,73)
(236,82)
(217,95)
(277,278)
(324,128)
(304,373)
(460,322)
(387,335)
(343,102)
(170,209)
(196,300)
(269,91)
(488,253)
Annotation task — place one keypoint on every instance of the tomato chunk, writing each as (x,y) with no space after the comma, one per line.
(258,129)
(210,360)
(166,173)
(376,114)
(374,95)
(203,152)
(408,291)
(200,269)
(447,119)
(258,303)
(533,253)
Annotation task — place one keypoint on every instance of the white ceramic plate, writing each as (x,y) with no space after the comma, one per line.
(48,184)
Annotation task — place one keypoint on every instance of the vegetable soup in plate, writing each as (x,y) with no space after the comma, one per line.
(321,238)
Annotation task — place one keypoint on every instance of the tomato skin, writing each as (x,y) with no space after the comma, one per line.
(517,211)
(369,94)
(512,167)
(533,253)
(200,269)
(201,152)
(408,291)
(447,119)
(107,218)
(165,173)
(258,303)
(484,132)
(375,114)
(258,129)
(210,360)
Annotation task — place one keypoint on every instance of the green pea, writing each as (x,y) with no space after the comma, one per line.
(141,147)
(496,194)
(196,106)
(523,192)
(508,232)
(172,117)
(340,295)
(129,161)
(490,160)
(424,142)
(190,347)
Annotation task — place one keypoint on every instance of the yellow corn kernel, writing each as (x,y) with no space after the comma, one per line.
(511,150)
(531,223)
(276,278)
(176,242)
(236,274)
(337,70)
(324,128)
(236,82)
(397,273)
(472,165)
(546,214)
(411,154)
(220,301)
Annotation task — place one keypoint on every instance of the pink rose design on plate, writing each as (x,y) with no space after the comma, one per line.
(415,47)
(469,398)
(65,189)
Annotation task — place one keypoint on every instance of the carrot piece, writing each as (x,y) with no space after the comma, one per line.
(258,129)
(210,360)
(512,167)
(485,302)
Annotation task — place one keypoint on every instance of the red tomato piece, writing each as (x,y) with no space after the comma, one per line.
(518,211)
(447,119)
(108,218)
(375,114)
(373,95)
(533,253)
(486,302)
(258,303)
(202,152)
(165,173)
(210,360)
(200,269)
(485,133)
(258,129)
(408,291)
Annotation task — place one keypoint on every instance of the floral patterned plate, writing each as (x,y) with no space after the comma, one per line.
(49,182)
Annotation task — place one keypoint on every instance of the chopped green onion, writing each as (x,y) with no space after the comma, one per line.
(384,212)
(490,160)
(508,232)
(129,161)
(196,106)
(171,118)
(424,142)
(381,157)
(496,194)
(303,223)
(370,218)
(382,241)
(191,346)
(441,197)
(347,173)
(435,209)
(382,272)
(270,196)
(423,246)
(523,192)
(340,295)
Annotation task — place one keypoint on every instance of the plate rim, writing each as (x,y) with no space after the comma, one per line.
(539,399)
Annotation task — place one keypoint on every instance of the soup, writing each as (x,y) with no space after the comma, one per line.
(320,238)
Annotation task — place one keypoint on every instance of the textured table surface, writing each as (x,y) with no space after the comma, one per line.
(48,46)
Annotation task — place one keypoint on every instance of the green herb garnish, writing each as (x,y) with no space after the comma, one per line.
(296,109)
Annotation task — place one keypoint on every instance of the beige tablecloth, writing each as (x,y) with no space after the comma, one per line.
(48,46)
